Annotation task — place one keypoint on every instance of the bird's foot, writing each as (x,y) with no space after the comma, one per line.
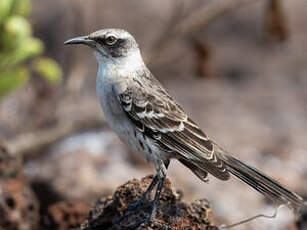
(154,223)
(149,222)
(132,208)
(135,207)
(151,219)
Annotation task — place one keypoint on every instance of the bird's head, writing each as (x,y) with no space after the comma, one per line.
(111,45)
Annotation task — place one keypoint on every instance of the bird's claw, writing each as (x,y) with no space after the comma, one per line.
(148,221)
(131,209)
(134,207)
(155,223)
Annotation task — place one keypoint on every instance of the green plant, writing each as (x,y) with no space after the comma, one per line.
(20,52)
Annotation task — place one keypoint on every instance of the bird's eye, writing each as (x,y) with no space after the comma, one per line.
(111,40)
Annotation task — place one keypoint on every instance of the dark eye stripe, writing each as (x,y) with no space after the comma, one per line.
(101,41)
(119,48)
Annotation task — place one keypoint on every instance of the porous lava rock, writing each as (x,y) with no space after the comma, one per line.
(172,211)
(65,215)
(19,208)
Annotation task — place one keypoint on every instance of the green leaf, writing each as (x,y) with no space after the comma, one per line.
(12,79)
(16,29)
(28,48)
(18,26)
(5,9)
(48,69)
(22,7)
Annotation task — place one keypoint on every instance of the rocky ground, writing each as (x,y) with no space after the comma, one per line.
(41,206)
(171,214)
(23,206)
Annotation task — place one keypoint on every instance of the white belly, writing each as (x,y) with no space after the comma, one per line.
(124,128)
(109,83)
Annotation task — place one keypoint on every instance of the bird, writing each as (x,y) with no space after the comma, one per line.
(149,120)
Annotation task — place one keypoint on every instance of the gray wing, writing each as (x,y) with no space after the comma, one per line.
(155,113)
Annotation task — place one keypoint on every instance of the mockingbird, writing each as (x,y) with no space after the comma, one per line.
(143,114)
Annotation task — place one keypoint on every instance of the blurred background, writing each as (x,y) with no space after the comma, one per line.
(238,67)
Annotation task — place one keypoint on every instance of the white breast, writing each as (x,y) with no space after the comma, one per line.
(108,82)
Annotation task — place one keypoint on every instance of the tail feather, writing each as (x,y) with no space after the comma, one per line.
(264,184)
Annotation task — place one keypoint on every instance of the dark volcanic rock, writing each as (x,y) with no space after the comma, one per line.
(19,208)
(65,215)
(171,211)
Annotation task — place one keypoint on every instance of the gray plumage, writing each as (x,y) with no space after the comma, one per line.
(148,119)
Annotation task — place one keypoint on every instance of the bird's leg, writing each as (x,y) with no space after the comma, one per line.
(155,202)
(154,205)
(134,207)
(160,177)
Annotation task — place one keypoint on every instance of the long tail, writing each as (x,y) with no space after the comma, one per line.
(264,184)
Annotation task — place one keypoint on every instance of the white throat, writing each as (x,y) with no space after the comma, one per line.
(119,66)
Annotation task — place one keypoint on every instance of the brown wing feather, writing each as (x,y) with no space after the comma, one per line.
(201,174)
(157,115)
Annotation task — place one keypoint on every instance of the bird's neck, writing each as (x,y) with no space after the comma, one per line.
(120,66)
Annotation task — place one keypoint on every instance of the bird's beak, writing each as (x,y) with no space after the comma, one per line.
(80,40)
